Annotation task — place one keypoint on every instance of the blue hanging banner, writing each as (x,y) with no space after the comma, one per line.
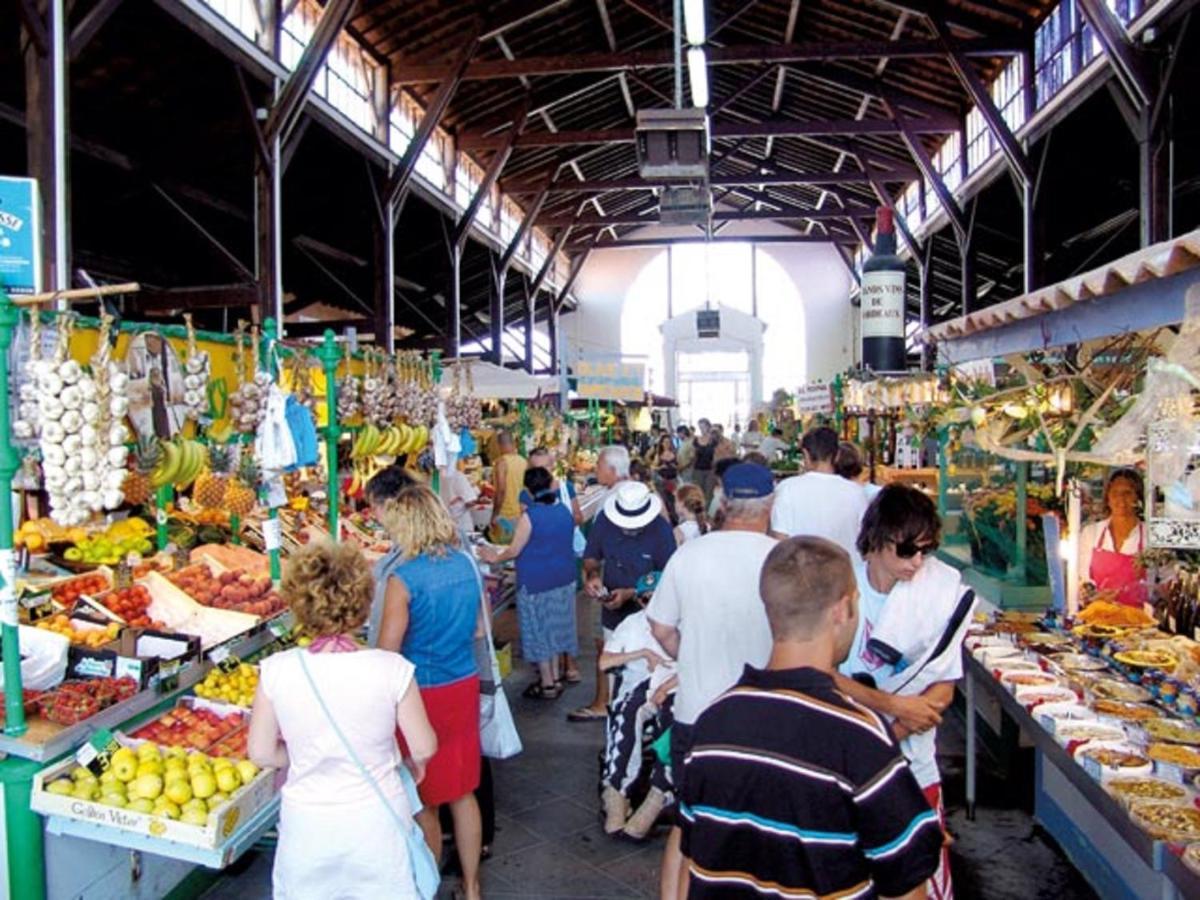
(20,236)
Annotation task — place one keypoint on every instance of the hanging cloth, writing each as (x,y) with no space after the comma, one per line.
(304,432)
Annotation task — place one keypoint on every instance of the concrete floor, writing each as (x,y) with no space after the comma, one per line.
(549,843)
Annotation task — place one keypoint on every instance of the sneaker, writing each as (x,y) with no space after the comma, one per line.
(616,809)
(647,814)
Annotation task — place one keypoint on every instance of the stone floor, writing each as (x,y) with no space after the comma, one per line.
(549,843)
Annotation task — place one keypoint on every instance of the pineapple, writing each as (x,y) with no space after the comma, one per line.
(211,485)
(137,486)
(242,491)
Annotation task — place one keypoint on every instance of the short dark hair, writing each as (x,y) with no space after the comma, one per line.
(639,471)
(682,431)
(538,482)
(776,432)
(848,461)
(757,458)
(539,451)
(898,514)
(388,483)
(801,578)
(820,444)
(721,466)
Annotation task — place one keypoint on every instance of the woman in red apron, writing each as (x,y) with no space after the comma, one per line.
(1116,542)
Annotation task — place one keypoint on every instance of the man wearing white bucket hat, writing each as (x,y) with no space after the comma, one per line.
(628,540)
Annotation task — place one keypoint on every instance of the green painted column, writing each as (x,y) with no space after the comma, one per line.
(25,851)
(265,364)
(1018,570)
(943,434)
(24,855)
(329,356)
(14,710)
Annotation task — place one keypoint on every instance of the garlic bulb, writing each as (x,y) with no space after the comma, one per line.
(51,407)
(70,371)
(119,406)
(72,421)
(90,412)
(52,432)
(117,456)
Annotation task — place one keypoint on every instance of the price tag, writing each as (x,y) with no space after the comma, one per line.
(219,654)
(1092,767)
(96,752)
(278,628)
(276,493)
(160,516)
(37,605)
(1171,773)
(123,575)
(168,676)
(272,534)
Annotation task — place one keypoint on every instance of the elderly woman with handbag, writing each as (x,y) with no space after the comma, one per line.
(346,815)
(432,614)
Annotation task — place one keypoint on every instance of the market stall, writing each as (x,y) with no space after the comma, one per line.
(162,476)
(1061,389)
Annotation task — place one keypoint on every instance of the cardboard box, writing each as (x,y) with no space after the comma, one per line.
(137,653)
(222,822)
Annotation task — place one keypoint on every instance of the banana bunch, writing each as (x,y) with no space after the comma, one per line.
(395,440)
(182,460)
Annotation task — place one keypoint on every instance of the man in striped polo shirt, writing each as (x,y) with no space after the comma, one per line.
(792,789)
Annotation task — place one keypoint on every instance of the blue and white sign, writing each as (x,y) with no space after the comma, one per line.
(20,232)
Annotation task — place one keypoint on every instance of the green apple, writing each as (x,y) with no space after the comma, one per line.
(142,805)
(148,786)
(114,799)
(194,817)
(204,785)
(61,786)
(228,780)
(247,770)
(164,807)
(179,791)
(216,800)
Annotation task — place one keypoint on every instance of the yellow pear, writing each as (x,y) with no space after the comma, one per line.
(164,807)
(216,800)
(150,767)
(194,817)
(204,785)
(113,799)
(228,780)
(141,804)
(148,786)
(247,770)
(61,786)
(179,791)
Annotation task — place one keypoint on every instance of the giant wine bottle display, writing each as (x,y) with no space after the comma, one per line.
(882,299)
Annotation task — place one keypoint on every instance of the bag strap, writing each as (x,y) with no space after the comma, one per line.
(487,618)
(367,776)
(956,619)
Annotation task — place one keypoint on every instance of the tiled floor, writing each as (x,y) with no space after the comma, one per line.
(549,844)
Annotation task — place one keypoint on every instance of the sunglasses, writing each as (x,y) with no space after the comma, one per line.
(909,549)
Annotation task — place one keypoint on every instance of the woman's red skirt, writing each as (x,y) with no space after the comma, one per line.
(453,711)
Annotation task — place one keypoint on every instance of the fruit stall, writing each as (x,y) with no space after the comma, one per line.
(160,476)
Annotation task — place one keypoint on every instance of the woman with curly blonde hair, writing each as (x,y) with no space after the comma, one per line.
(432,614)
(328,713)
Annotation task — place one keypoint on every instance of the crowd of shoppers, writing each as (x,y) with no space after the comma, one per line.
(794,646)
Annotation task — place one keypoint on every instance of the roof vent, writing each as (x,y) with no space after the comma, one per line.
(672,143)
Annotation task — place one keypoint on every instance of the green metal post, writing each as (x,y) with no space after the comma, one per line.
(14,709)
(943,434)
(265,356)
(1020,567)
(839,417)
(25,852)
(328,354)
(162,497)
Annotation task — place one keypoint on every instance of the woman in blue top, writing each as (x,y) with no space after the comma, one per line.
(432,613)
(543,547)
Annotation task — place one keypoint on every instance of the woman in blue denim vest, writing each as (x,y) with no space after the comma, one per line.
(431,614)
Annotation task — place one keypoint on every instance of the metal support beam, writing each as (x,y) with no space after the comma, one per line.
(528,325)
(1031,239)
(496,312)
(1128,63)
(47,132)
(969,280)
(495,166)
(548,263)
(174,300)
(398,183)
(929,171)
(783,213)
(384,276)
(797,238)
(1014,154)
(527,221)
(82,34)
(576,267)
(925,272)
(291,99)
(268,226)
(474,140)
(750,54)
(228,255)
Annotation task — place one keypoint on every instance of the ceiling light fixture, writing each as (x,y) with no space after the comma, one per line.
(697,64)
(693,20)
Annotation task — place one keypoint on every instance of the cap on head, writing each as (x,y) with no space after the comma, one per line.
(747,481)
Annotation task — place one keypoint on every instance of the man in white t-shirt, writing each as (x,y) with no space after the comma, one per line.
(707,613)
(820,502)
(772,445)
(907,600)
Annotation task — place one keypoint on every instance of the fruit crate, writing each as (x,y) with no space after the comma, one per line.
(184,615)
(222,822)
(138,653)
(234,717)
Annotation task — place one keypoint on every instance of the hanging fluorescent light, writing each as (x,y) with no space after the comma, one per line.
(697,64)
(693,21)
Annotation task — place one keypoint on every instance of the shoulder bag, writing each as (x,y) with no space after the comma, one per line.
(424,867)
(498,737)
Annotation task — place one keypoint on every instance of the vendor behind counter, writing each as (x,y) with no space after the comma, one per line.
(1108,549)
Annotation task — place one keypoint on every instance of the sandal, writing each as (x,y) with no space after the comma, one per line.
(539,691)
(587,714)
(572,676)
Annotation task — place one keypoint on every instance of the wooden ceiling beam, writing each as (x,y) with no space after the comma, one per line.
(791,214)
(220,296)
(750,54)
(749,179)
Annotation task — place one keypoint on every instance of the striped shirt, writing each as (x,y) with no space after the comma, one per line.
(792,790)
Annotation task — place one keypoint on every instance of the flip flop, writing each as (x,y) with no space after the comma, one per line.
(572,677)
(586,714)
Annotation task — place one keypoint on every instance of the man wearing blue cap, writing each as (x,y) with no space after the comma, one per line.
(707,613)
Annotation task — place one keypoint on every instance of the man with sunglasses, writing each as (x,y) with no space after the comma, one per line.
(910,600)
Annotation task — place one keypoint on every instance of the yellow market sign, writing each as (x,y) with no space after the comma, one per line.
(610,381)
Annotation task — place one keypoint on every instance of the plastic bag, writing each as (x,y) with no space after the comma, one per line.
(273,447)
(43,659)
